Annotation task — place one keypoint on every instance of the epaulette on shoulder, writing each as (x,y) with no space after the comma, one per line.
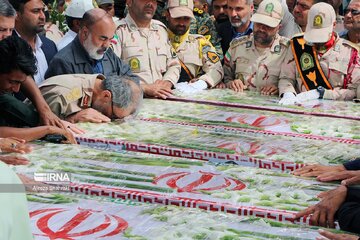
(157,22)
(284,41)
(351,44)
(237,41)
(193,37)
(298,35)
(122,22)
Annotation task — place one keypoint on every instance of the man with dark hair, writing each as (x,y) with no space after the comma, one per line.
(89,52)
(219,10)
(300,12)
(91,98)
(73,14)
(107,5)
(17,65)
(7,19)
(30,21)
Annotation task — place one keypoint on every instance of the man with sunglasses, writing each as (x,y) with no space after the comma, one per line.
(352,22)
(91,97)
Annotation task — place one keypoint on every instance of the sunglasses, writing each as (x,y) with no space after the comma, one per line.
(354,12)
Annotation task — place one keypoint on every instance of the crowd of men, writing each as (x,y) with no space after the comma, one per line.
(104,65)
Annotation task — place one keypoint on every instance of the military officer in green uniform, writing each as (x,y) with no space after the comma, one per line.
(204,25)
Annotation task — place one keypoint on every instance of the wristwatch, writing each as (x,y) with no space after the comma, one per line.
(321,91)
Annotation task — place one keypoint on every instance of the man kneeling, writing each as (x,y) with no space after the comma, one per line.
(91,97)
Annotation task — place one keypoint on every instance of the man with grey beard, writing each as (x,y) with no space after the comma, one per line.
(239,12)
(253,62)
(89,52)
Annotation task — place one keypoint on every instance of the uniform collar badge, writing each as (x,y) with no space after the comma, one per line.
(177,38)
(248,44)
(132,27)
(277,48)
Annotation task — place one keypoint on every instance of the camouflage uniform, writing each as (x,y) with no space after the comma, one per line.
(243,61)
(204,25)
(201,59)
(335,65)
(148,52)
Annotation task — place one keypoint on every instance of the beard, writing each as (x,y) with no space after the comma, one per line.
(179,29)
(263,38)
(92,50)
(222,18)
(242,22)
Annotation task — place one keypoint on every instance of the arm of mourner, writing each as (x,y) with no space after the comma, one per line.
(30,134)
(229,67)
(315,170)
(212,67)
(288,74)
(88,115)
(326,235)
(173,67)
(14,145)
(47,117)
(160,89)
(322,214)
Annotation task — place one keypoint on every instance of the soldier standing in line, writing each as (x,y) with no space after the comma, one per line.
(145,46)
(253,62)
(200,64)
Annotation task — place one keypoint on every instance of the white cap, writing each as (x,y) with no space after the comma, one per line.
(320,23)
(269,13)
(181,8)
(77,8)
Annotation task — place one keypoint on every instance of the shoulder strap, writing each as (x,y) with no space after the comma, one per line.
(308,64)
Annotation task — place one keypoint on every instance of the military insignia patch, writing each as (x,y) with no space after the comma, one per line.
(177,39)
(269,8)
(248,44)
(214,58)
(173,53)
(306,61)
(203,30)
(277,48)
(318,21)
(134,64)
(337,48)
(73,95)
